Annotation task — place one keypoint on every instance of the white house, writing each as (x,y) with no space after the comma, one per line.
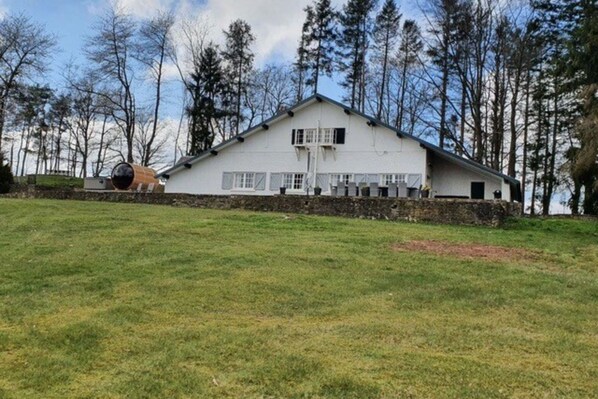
(320,142)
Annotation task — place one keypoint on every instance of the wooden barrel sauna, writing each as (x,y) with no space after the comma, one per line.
(126,176)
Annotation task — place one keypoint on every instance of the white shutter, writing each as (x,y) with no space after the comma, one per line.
(373,178)
(322,181)
(227,181)
(414,180)
(260,181)
(359,178)
(275,181)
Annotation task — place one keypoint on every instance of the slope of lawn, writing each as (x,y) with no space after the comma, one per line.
(117,300)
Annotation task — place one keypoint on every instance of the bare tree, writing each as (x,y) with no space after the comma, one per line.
(148,144)
(24,51)
(155,48)
(111,49)
(270,92)
(85,113)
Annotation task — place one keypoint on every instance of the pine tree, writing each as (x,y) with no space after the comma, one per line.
(407,56)
(442,29)
(320,36)
(206,87)
(353,42)
(583,52)
(239,61)
(301,65)
(385,38)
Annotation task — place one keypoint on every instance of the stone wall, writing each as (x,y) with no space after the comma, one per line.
(458,212)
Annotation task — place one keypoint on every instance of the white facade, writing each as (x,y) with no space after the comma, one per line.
(266,158)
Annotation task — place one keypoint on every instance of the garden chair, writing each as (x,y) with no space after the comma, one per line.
(403,190)
(340,189)
(374,190)
(392,190)
(352,189)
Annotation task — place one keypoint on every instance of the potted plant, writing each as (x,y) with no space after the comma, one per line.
(425,191)
(283,190)
(317,190)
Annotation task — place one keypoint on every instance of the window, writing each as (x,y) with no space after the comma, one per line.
(325,136)
(293,181)
(310,136)
(244,181)
(386,179)
(345,178)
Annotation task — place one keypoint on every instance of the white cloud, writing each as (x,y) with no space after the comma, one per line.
(138,8)
(276,24)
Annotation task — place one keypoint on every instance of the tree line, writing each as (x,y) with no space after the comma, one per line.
(509,84)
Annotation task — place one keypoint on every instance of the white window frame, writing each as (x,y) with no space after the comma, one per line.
(386,178)
(327,136)
(310,136)
(346,177)
(293,177)
(243,182)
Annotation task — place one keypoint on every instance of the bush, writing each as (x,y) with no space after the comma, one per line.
(6,178)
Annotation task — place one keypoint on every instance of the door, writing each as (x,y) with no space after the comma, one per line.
(477,190)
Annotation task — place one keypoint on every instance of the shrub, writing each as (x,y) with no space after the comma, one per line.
(6,179)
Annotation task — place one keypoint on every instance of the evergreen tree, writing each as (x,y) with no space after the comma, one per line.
(385,38)
(353,42)
(407,57)
(301,65)
(583,51)
(206,87)
(239,63)
(443,27)
(60,111)
(320,36)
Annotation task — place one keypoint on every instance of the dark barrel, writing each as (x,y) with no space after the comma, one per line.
(126,176)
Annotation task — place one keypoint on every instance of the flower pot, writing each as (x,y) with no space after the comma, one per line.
(283,190)
(425,193)
(317,191)
(365,191)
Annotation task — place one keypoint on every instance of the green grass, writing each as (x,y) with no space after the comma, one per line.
(117,300)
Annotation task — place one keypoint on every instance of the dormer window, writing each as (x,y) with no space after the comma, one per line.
(322,136)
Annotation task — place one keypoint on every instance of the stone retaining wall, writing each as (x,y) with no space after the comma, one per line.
(458,212)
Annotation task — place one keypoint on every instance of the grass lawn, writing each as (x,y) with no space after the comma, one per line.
(118,300)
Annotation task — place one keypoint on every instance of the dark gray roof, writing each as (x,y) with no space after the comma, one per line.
(318,97)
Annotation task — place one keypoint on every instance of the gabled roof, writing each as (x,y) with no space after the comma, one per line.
(318,98)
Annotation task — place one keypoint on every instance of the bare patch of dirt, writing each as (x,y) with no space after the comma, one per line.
(467,251)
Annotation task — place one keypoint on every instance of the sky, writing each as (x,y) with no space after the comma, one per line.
(275,23)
